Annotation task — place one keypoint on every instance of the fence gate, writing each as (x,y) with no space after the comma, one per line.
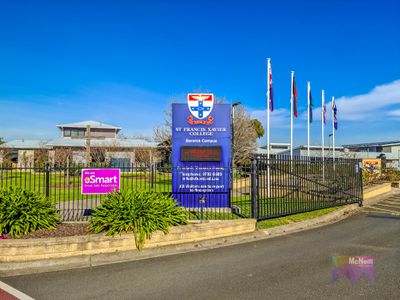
(280,186)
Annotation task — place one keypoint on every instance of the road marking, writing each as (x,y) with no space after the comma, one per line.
(381,210)
(9,293)
(387,205)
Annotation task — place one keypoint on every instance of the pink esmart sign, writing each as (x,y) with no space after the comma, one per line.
(100,181)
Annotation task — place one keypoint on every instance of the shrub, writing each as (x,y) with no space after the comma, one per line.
(392,174)
(139,212)
(22,212)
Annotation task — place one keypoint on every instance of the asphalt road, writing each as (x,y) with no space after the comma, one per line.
(295,266)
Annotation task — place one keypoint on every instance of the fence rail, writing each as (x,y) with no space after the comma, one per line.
(262,189)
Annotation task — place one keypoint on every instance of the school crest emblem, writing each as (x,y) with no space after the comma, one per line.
(200,105)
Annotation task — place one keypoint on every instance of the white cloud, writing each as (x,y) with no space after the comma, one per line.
(369,107)
(279,118)
(383,100)
(395,113)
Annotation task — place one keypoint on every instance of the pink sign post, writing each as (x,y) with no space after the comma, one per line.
(100,181)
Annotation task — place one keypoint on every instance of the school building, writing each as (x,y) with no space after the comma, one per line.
(102,139)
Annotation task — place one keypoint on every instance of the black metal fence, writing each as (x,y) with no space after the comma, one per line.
(283,186)
(261,189)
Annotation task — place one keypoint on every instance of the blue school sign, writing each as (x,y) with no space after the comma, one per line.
(201,152)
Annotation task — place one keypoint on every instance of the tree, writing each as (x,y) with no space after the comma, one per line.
(245,136)
(258,127)
(62,155)
(41,155)
(163,135)
(4,159)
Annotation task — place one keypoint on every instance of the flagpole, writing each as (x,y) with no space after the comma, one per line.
(333,132)
(268,126)
(308,119)
(322,136)
(291,119)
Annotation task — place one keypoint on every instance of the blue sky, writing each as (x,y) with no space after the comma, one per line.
(122,62)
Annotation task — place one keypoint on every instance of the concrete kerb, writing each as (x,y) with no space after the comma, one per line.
(171,248)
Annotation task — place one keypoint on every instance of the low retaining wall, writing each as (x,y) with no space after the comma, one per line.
(377,190)
(49,254)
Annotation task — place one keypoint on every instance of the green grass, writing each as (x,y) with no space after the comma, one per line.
(63,188)
(68,189)
(295,218)
(276,206)
(214,215)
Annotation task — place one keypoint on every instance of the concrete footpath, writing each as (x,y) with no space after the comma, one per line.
(95,250)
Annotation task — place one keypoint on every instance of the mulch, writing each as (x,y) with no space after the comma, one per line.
(62,230)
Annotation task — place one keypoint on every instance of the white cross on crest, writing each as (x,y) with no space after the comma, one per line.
(200,105)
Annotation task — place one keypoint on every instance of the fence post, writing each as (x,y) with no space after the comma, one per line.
(361,186)
(152,174)
(47,176)
(254,189)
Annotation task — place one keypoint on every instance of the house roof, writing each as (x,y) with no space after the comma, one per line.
(262,151)
(92,124)
(276,144)
(318,147)
(373,144)
(107,142)
(72,142)
(25,144)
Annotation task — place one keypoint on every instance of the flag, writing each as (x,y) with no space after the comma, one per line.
(310,106)
(271,92)
(294,94)
(324,113)
(335,122)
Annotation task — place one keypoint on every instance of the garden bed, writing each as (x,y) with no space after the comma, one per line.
(62,230)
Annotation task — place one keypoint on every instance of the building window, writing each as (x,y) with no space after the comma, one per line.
(67,132)
(74,132)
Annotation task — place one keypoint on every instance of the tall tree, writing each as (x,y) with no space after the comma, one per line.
(244,136)
(258,127)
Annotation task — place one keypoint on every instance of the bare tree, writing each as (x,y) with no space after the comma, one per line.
(5,156)
(163,135)
(41,155)
(245,136)
(62,155)
(98,154)
(24,159)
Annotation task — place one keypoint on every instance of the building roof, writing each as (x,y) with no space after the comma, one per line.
(25,144)
(92,124)
(261,151)
(373,144)
(318,147)
(107,142)
(72,142)
(276,144)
